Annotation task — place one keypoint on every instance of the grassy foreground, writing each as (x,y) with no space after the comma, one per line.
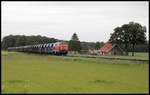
(31,73)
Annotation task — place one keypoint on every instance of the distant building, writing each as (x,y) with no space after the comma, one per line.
(108,49)
(111,49)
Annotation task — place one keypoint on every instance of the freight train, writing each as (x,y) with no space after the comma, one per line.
(58,48)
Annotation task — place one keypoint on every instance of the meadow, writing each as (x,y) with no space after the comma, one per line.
(33,73)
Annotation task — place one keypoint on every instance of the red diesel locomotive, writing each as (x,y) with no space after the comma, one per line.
(60,48)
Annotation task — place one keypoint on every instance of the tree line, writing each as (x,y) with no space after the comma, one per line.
(22,40)
(76,45)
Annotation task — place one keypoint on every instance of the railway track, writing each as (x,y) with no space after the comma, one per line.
(110,59)
(104,58)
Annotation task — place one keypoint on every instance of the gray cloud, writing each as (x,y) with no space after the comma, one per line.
(92,21)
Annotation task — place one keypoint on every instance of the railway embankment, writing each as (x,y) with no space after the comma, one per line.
(110,59)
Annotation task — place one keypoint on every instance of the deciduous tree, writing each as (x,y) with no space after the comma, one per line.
(129,34)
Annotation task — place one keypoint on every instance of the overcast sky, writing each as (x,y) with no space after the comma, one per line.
(92,21)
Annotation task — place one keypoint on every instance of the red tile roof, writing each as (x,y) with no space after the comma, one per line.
(106,47)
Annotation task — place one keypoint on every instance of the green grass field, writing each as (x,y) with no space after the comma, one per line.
(138,55)
(31,73)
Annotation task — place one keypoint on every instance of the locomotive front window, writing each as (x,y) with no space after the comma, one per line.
(64,44)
